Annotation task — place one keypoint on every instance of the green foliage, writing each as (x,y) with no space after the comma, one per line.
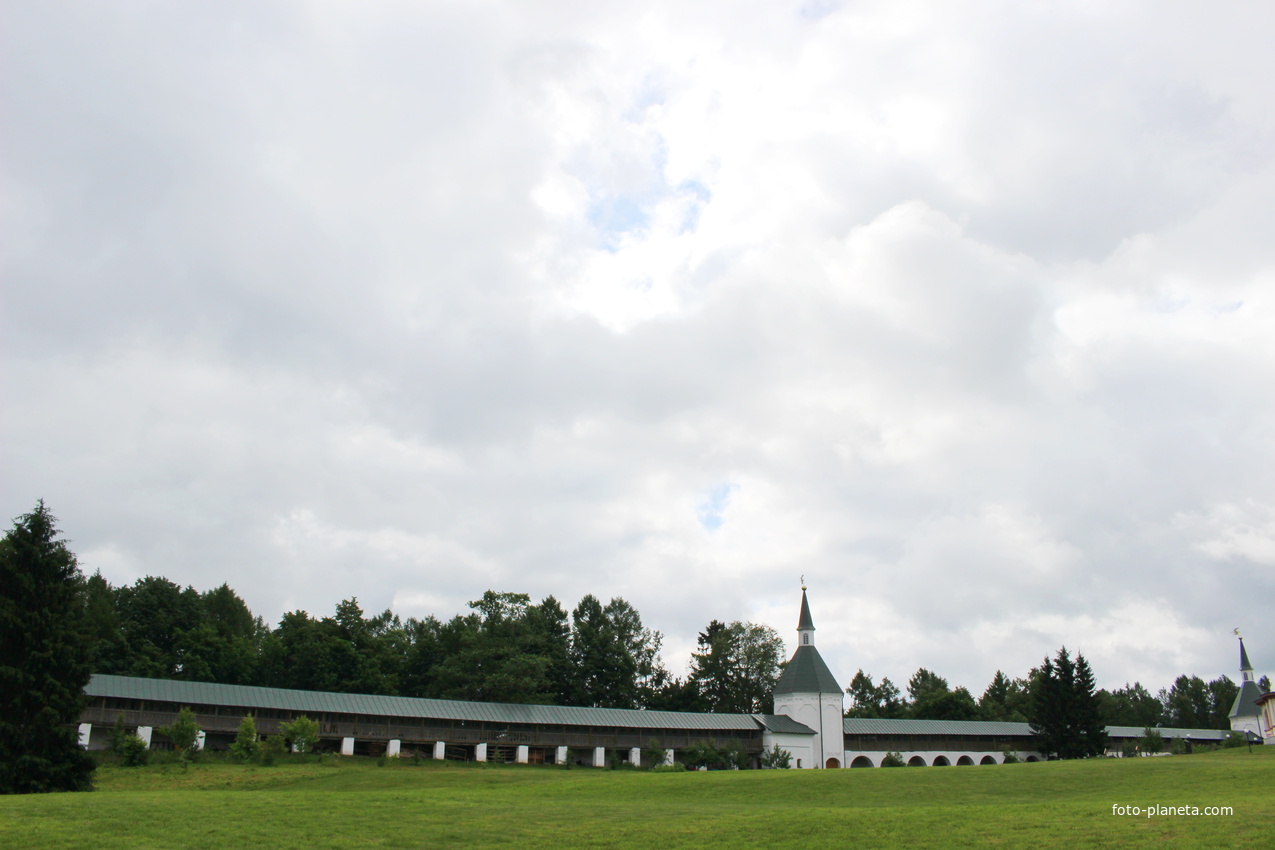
(869,700)
(707,754)
(302,734)
(675,767)
(1151,741)
(737,666)
(118,733)
(272,748)
(184,733)
(1132,705)
(1004,699)
(1177,746)
(1065,711)
(653,753)
(132,751)
(45,655)
(1235,739)
(776,759)
(615,659)
(246,746)
(1008,756)
(893,759)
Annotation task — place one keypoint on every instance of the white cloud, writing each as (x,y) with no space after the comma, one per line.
(406,302)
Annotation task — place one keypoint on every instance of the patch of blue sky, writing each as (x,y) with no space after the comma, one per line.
(816,9)
(702,197)
(616,216)
(710,512)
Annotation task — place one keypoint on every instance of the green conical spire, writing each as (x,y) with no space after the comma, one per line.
(806,624)
(1244,662)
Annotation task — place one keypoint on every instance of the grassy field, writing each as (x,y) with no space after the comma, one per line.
(354,802)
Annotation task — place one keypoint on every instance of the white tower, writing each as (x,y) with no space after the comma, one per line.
(1245,712)
(808,693)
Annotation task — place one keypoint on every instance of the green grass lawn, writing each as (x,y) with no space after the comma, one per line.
(353,802)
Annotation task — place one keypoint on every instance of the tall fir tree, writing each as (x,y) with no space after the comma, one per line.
(1065,711)
(45,657)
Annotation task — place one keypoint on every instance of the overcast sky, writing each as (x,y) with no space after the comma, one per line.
(963,311)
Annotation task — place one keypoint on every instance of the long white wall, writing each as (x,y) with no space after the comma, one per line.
(931,756)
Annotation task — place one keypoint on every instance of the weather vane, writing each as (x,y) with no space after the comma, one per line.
(1238,635)
(803,586)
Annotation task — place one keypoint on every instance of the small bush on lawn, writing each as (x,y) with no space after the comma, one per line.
(893,759)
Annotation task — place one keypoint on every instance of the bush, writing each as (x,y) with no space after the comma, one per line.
(273,747)
(1177,746)
(1152,741)
(776,759)
(1235,739)
(653,753)
(246,746)
(704,754)
(184,733)
(1010,757)
(132,751)
(302,733)
(736,757)
(893,759)
(675,767)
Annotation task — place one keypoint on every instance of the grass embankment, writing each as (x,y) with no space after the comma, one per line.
(353,802)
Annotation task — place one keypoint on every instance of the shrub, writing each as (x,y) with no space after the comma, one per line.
(302,733)
(118,734)
(1177,746)
(735,756)
(1235,739)
(675,767)
(133,751)
(1011,757)
(1152,741)
(273,747)
(246,746)
(776,759)
(184,733)
(893,759)
(653,753)
(704,754)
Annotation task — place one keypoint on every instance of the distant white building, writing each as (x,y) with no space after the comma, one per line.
(1246,714)
(808,693)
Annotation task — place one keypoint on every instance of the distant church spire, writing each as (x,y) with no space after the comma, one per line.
(805,625)
(1246,669)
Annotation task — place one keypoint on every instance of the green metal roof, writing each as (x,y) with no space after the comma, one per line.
(781,723)
(247,697)
(807,673)
(1245,704)
(882,726)
(806,621)
(1244,662)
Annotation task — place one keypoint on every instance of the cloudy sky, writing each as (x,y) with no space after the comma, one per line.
(963,311)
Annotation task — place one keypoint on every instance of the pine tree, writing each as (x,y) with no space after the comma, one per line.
(44,660)
(1065,711)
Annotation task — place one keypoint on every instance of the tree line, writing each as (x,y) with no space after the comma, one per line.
(1189,703)
(505,649)
(57,627)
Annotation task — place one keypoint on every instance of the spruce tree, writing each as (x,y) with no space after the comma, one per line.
(1065,711)
(44,660)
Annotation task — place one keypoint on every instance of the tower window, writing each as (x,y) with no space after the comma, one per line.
(805,640)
